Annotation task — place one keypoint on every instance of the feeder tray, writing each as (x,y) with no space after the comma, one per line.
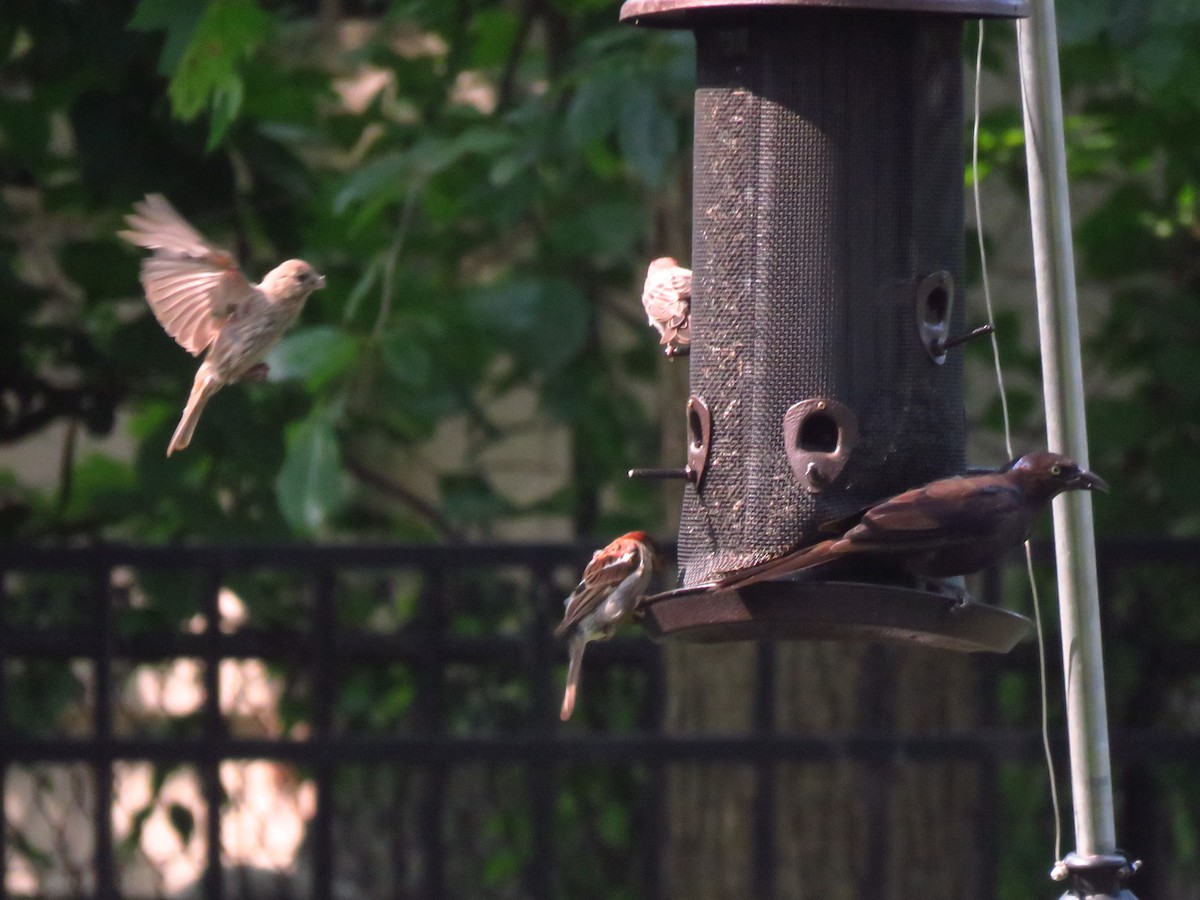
(681,13)
(832,610)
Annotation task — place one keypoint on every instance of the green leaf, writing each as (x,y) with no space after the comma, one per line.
(382,175)
(365,284)
(542,322)
(493,32)
(228,32)
(1157,60)
(593,112)
(183,821)
(479,141)
(103,486)
(309,486)
(646,134)
(614,824)
(390,175)
(470,500)
(26,131)
(607,230)
(90,263)
(226,103)
(23,846)
(178,18)
(317,355)
(1080,21)
(407,359)
(130,843)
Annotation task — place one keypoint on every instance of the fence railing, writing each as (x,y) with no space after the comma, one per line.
(473,701)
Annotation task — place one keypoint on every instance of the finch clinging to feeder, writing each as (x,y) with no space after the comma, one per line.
(953,526)
(202,299)
(612,584)
(667,299)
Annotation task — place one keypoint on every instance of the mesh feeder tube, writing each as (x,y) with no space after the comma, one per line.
(827,260)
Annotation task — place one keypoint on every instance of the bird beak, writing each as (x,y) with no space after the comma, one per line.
(1090,481)
(320,282)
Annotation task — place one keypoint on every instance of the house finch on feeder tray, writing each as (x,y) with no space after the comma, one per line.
(667,299)
(954,526)
(612,584)
(202,299)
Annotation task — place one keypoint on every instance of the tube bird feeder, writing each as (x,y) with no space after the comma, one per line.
(827,259)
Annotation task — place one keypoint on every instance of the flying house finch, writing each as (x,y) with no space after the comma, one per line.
(612,584)
(667,299)
(954,526)
(202,299)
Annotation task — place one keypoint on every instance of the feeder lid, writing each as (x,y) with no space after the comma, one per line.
(832,610)
(683,13)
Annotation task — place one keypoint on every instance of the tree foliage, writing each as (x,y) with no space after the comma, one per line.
(480,182)
(473,179)
(1131,85)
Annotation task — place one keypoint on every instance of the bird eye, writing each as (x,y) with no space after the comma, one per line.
(1056,469)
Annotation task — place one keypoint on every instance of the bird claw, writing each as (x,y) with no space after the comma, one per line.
(672,351)
(256,374)
(953,588)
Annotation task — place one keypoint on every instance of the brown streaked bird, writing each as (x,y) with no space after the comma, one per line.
(202,299)
(667,299)
(954,526)
(612,584)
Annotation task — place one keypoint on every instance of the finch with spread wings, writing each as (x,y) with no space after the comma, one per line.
(612,584)
(202,300)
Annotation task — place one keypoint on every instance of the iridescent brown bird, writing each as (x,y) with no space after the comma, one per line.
(612,584)
(954,526)
(667,299)
(202,299)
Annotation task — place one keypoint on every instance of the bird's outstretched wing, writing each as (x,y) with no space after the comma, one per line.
(608,568)
(192,286)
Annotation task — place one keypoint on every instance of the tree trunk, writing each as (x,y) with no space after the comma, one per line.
(843,828)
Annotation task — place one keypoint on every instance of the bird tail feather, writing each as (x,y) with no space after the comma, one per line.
(205,385)
(574,670)
(817,555)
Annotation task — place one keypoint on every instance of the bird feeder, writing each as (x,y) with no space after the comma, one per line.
(827,258)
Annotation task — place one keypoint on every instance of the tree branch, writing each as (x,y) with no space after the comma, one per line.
(402,495)
(508,78)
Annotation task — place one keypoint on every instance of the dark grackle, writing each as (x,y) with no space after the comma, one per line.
(954,526)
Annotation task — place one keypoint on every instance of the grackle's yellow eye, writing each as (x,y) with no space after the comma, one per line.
(1056,470)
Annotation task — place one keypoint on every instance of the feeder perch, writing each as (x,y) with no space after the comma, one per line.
(827,260)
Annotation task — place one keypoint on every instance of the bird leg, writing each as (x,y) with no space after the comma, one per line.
(953,588)
(256,374)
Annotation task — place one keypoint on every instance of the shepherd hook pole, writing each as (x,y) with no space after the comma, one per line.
(1096,868)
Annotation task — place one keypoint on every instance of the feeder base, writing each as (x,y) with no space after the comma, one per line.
(832,610)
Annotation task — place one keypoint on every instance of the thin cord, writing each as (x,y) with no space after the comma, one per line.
(1008,445)
(983,266)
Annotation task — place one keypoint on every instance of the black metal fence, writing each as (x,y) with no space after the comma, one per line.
(401,683)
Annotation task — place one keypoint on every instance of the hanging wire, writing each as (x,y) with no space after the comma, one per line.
(1008,445)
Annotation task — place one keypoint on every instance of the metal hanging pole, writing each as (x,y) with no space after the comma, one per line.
(1096,869)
